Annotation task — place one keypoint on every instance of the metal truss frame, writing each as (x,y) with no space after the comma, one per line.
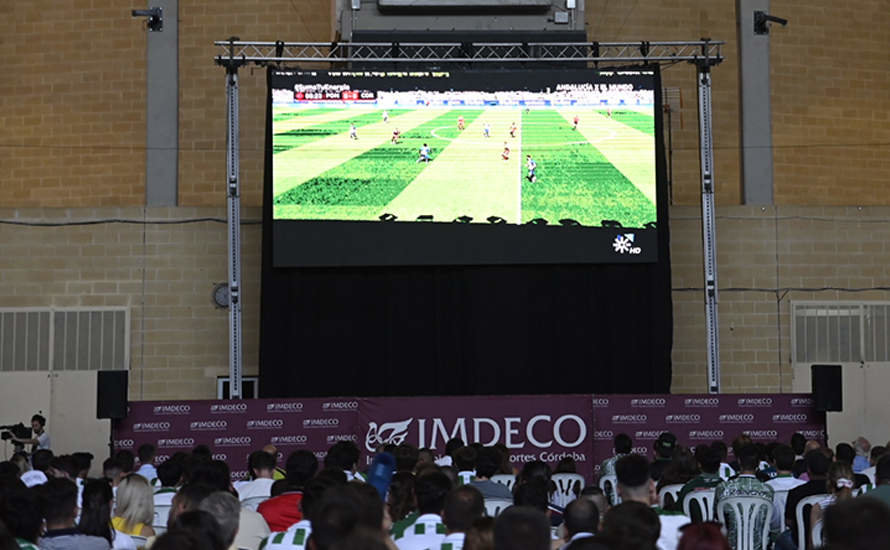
(705,54)
(613,53)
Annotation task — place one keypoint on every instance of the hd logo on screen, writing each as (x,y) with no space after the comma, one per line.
(624,244)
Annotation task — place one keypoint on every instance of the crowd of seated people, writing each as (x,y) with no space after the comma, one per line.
(189,501)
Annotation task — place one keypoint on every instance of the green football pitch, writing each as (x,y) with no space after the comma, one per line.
(601,169)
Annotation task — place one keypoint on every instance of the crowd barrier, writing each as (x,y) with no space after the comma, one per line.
(539,427)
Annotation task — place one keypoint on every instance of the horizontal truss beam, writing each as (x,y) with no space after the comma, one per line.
(614,53)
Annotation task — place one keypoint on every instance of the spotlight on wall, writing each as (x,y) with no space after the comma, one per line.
(650,225)
(610,223)
(761,18)
(155,18)
(463,219)
(387,217)
(496,219)
(537,221)
(425,218)
(569,221)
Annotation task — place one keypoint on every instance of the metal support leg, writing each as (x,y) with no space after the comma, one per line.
(709,230)
(233,200)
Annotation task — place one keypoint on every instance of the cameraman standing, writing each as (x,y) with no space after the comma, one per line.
(40,439)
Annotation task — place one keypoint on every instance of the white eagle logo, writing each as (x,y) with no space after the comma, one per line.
(388,432)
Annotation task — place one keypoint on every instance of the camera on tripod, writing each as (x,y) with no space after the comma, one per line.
(15,430)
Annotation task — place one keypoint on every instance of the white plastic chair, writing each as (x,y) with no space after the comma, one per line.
(568,486)
(609,485)
(140,541)
(505,479)
(816,535)
(251,503)
(704,499)
(669,490)
(494,506)
(745,511)
(159,522)
(805,504)
(779,500)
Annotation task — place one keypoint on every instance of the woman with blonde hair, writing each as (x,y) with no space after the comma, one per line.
(839,487)
(134,510)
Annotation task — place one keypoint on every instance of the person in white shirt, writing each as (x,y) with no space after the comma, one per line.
(261,468)
(344,455)
(465,460)
(452,445)
(146,454)
(635,485)
(781,484)
(463,506)
(581,520)
(40,462)
(428,530)
(40,441)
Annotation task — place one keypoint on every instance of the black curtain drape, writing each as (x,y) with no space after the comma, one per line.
(449,330)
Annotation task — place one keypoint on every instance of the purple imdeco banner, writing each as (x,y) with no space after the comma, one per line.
(697,419)
(540,427)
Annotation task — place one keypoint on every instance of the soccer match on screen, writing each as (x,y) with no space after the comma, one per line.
(584,152)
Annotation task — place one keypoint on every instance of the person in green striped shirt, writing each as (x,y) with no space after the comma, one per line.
(428,530)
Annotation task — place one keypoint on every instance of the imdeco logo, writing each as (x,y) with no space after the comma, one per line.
(321,422)
(228,408)
(336,406)
(220,456)
(160,410)
(755,402)
(603,435)
(175,442)
(287,407)
(647,435)
(239,475)
(735,418)
(806,402)
(629,419)
(289,440)
(208,425)
(648,402)
(123,443)
(682,418)
(265,424)
(818,435)
(762,434)
(710,435)
(336,438)
(235,441)
(704,402)
(790,418)
(600,402)
(151,426)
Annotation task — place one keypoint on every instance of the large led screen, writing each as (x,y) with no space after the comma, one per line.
(426,167)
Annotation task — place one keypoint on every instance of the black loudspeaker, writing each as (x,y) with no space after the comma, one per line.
(111,394)
(828,392)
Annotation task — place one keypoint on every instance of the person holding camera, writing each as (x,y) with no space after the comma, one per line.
(40,440)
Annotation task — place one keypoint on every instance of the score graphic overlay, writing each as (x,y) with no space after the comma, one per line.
(551,150)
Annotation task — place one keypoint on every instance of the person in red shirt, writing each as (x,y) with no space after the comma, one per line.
(283,509)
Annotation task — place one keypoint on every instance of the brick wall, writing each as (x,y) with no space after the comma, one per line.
(72,104)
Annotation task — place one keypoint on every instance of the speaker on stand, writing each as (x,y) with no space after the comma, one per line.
(111,399)
(828,390)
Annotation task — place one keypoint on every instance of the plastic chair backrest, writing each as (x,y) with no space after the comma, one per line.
(160,517)
(817,535)
(799,511)
(568,486)
(745,511)
(669,491)
(505,479)
(252,502)
(609,485)
(704,501)
(780,511)
(494,506)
